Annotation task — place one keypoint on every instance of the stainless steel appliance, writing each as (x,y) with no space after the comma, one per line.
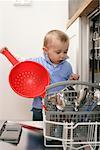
(94,46)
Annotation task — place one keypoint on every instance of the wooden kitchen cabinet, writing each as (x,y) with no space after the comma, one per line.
(83,8)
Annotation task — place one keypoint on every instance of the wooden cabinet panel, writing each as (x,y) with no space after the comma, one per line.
(73,6)
(84,8)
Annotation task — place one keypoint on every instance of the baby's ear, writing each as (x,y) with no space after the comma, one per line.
(45,49)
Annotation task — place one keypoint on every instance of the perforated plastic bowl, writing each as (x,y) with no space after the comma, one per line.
(27,78)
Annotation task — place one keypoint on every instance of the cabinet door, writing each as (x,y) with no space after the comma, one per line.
(74,51)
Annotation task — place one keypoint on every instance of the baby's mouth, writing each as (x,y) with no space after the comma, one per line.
(60,61)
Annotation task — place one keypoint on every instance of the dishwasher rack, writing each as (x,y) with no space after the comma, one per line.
(77,126)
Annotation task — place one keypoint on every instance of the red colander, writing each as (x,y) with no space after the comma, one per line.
(28,79)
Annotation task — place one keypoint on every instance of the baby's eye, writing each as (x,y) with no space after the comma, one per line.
(65,52)
(58,52)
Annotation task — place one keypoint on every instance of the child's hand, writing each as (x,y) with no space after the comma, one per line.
(74,76)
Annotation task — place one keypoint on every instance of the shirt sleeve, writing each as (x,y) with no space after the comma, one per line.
(69,70)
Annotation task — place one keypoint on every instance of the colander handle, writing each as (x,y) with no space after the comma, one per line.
(43,94)
(9,56)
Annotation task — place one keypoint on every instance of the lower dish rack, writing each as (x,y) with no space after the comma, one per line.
(77,125)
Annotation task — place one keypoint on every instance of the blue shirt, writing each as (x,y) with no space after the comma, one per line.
(59,72)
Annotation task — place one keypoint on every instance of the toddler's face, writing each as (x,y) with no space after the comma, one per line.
(57,51)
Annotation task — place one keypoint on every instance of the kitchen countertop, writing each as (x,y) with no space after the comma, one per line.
(31,138)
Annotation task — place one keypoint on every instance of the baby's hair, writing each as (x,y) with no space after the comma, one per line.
(60,35)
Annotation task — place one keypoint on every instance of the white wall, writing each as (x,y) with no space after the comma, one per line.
(22,29)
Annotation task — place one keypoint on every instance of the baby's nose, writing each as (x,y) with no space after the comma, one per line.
(62,56)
